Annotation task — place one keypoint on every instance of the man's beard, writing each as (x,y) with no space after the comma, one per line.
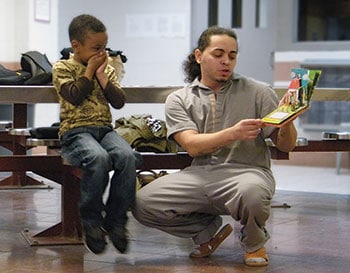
(221,80)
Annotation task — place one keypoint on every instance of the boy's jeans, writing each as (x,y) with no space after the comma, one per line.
(98,150)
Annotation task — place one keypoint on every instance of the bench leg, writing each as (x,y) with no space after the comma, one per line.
(20,180)
(68,231)
(338,162)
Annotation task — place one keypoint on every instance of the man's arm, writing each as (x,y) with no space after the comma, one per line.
(197,144)
(285,137)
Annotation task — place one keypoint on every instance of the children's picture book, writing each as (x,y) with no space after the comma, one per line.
(301,89)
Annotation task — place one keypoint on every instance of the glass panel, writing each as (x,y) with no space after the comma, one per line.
(261,13)
(213,13)
(335,114)
(236,14)
(324,20)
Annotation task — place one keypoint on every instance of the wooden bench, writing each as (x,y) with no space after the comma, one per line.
(68,231)
(5,125)
(51,166)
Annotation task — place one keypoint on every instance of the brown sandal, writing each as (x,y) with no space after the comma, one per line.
(257,258)
(206,249)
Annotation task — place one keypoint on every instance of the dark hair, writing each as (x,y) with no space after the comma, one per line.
(83,24)
(191,67)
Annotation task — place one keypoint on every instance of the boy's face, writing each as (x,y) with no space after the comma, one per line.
(94,44)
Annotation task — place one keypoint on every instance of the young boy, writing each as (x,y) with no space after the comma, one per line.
(86,86)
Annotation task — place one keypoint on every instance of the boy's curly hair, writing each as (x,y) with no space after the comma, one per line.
(82,24)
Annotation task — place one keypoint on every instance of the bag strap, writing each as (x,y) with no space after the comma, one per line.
(39,59)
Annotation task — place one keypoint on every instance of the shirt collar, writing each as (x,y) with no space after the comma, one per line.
(197,83)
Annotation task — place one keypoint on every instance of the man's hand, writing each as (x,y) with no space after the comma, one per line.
(204,143)
(247,129)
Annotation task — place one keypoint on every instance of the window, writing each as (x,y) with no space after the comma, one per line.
(324,20)
(213,12)
(332,113)
(234,9)
(261,13)
(236,16)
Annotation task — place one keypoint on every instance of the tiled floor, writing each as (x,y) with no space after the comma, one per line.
(311,236)
(312,179)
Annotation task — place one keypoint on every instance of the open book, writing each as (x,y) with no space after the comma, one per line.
(301,86)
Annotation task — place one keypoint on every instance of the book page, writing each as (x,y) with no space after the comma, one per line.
(301,89)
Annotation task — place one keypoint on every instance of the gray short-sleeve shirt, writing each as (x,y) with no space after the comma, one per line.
(195,107)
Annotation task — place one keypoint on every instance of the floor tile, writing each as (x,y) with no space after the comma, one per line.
(310,236)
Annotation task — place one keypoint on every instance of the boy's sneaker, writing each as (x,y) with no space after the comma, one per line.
(119,238)
(94,239)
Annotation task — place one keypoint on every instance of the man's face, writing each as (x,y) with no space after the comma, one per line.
(94,44)
(218,60)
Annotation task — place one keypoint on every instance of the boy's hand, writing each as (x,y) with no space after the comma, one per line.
(95,62)
(102,67)
(100,74)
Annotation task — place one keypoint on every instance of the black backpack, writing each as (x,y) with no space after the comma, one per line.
(10,77)
(65,52)
(39,66)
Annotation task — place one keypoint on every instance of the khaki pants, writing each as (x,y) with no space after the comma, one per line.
(189,203)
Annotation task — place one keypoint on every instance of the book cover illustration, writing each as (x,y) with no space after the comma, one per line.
(301,89)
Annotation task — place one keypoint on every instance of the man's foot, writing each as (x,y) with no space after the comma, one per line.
(257,258)
(206,249)
(119,238)
(94,239)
